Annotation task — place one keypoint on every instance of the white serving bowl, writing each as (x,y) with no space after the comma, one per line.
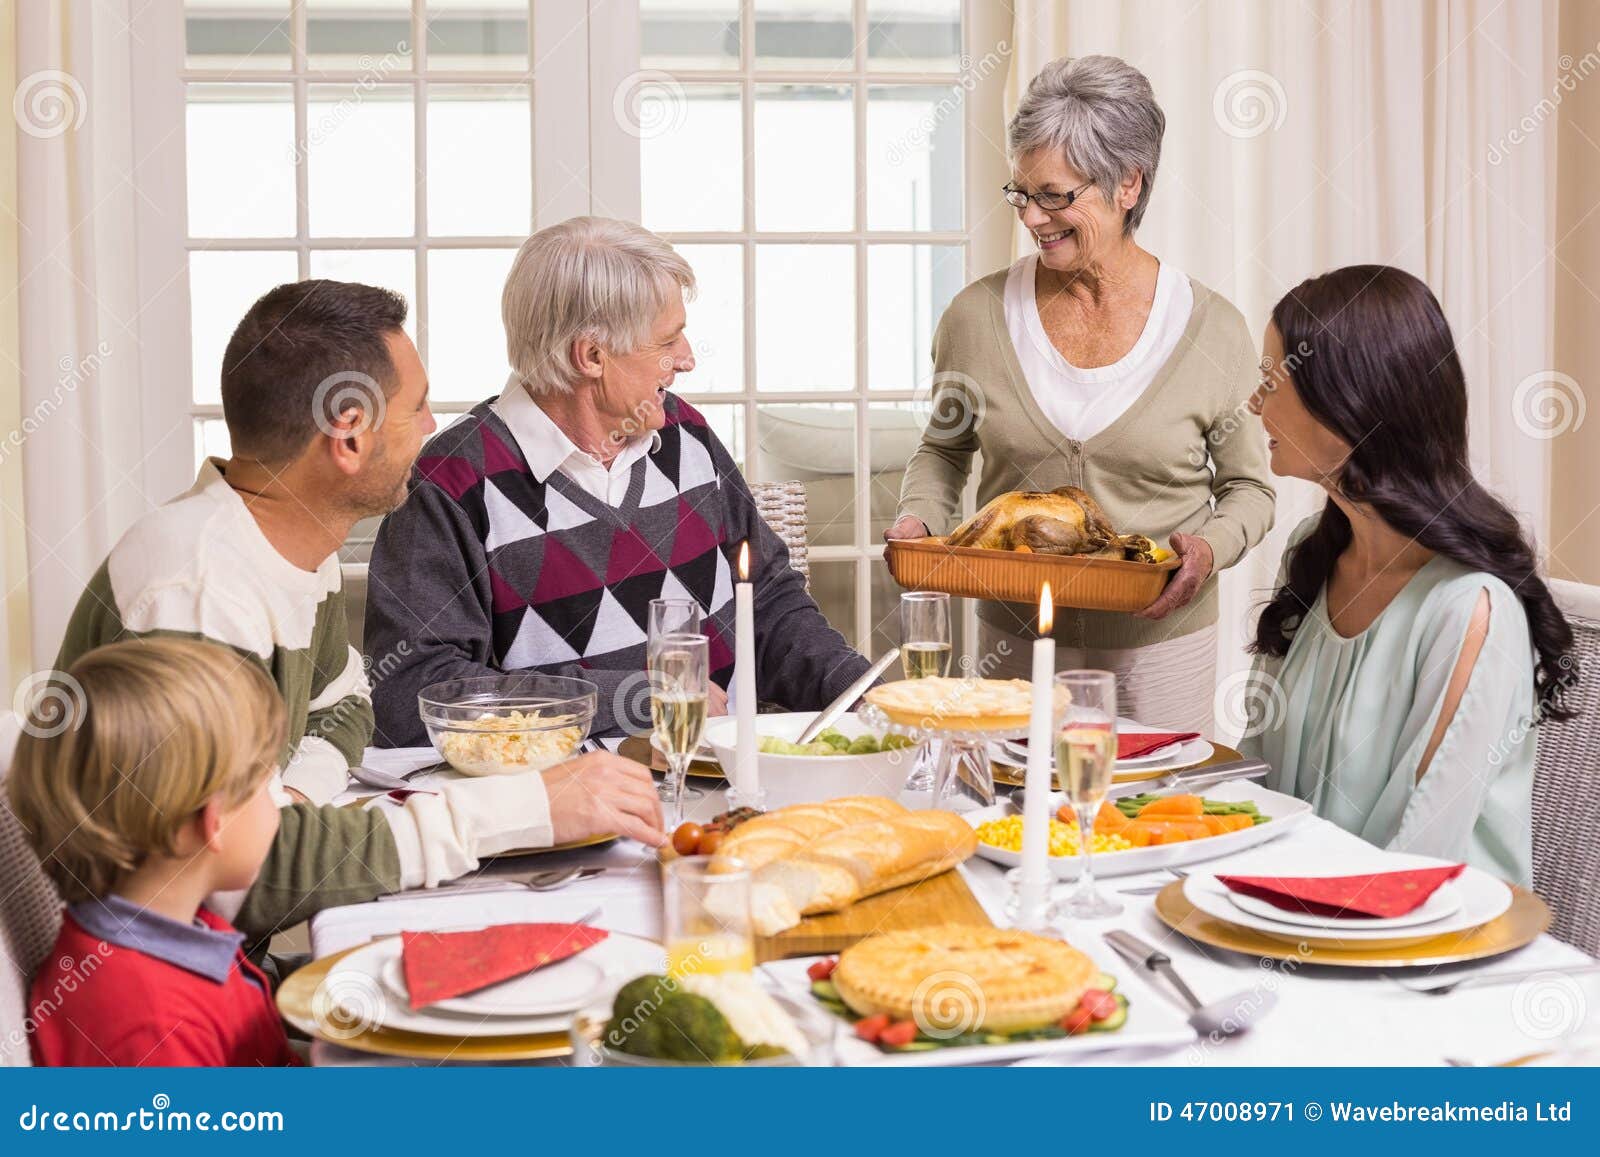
(788,779)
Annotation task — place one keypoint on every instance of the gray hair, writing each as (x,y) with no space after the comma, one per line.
(1100,112)
(592,277)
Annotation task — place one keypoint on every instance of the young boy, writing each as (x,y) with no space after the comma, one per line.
(156,795)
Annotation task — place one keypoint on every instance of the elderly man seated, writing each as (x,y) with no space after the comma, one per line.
(542,523)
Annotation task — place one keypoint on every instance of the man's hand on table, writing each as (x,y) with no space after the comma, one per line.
(716,700)
(601,794)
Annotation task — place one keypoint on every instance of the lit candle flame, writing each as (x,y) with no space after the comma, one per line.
(744,561)
(1047,610)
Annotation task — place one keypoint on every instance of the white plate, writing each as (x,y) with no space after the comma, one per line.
(356,985)
(1286,812)
(1483,898)
(1153,1022)
(1172,757)
(1445,901)
(564,986)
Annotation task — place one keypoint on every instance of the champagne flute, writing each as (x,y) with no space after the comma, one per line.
(679,678)
(1086,750)
(674,617)
(924,651)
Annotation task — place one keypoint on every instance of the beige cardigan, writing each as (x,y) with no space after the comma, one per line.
(1148,469)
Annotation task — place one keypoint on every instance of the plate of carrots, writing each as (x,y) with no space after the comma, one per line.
(1148,832)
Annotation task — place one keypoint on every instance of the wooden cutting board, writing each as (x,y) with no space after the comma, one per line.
(943,899)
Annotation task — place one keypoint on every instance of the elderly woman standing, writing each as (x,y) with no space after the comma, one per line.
(542,523)
(1092,363)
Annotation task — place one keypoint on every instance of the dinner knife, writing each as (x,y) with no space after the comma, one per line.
(853,692)
(1142,955)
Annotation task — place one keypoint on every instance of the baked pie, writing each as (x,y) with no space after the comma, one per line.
(956,704)
(959,978)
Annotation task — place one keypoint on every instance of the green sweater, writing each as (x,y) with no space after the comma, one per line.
(1150,469)
(199,567)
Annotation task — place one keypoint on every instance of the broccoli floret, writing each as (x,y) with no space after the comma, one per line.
(653,1017)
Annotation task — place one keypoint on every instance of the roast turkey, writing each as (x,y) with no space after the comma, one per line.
(1064,521)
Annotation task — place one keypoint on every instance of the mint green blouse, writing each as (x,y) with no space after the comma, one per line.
(1344,723)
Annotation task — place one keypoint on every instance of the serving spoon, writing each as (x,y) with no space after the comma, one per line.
(1221,1018)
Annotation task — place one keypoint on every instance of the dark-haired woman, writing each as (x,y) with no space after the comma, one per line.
(1411,644)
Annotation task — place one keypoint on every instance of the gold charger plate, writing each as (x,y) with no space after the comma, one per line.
(298,1004)
(1520,924)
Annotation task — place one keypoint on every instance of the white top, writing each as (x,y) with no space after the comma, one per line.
(547,449)
(1080,403)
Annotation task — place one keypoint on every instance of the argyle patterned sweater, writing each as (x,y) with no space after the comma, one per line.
(485,569)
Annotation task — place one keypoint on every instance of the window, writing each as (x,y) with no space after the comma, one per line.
(807,157)
(812,159)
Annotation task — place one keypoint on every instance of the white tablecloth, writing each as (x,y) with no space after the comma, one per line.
(1323,1016)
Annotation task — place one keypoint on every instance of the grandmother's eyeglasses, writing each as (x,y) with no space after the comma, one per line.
(1049,202)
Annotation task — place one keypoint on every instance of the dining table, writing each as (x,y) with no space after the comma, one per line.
(1309,1014)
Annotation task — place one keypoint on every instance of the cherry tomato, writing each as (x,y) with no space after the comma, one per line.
(710,842)
(1100,1004)
(871,1027)
(686,840)
(1077,1021)
(822,969)
(899,1034)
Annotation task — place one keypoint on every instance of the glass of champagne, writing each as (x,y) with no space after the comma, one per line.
(1086,750)
(679,675)
(707,918)
(924,634)
(924,651)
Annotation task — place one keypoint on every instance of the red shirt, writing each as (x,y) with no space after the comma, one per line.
(112,999)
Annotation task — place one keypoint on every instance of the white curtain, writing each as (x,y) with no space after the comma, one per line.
(1303,137)
(79,307)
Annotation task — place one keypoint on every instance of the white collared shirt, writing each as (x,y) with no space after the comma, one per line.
(548,449)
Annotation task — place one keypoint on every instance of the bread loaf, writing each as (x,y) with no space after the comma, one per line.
(821,857)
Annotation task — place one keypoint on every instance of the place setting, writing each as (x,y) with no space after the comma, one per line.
(497,993)
(1409,910)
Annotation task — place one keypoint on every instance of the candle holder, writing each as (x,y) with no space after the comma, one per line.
(963,770)
(1028,906)
(751,799)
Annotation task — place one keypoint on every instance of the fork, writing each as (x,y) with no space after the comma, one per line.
(549,880)
(1153,889)
(1486,978)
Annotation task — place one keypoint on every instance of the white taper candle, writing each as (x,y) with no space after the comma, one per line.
(1034,879)
(747,775)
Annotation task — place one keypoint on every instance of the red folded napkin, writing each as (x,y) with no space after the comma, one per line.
(441,965)
(1143,743)
(1380,894)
